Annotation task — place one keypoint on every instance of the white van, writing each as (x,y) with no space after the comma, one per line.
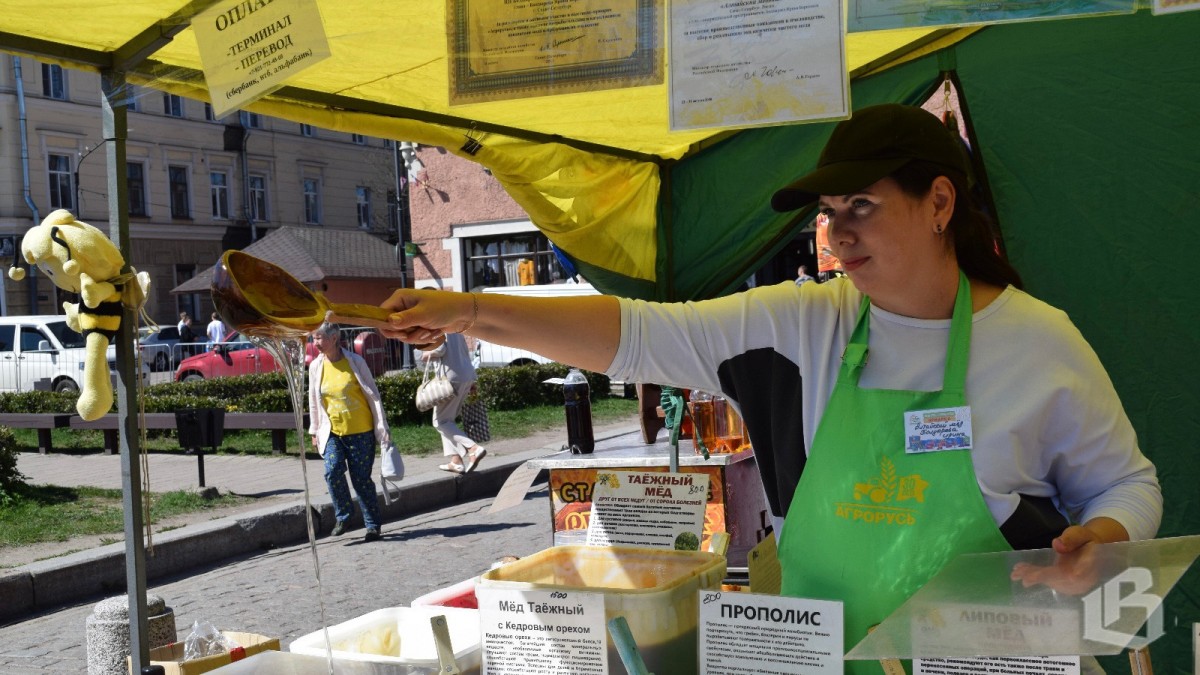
(490,355)
(41,352)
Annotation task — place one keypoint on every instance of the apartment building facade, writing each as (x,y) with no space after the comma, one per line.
(197,185)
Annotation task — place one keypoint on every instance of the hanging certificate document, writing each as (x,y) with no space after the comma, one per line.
(756,62)
(523,48)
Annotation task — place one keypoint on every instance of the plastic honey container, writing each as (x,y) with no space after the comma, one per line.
(399,640)
(654,589)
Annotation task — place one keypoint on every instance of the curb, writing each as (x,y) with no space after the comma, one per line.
(101,571)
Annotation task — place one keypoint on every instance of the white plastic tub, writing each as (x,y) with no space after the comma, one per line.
(399,640)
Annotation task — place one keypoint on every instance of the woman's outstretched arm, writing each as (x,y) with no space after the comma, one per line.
(582,331)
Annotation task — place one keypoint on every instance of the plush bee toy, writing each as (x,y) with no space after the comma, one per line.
(79,258)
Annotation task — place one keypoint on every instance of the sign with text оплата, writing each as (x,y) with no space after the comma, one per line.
(249,48)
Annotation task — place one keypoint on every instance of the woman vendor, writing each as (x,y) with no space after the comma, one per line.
(849,387)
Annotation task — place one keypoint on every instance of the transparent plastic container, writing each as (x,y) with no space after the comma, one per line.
(655,590)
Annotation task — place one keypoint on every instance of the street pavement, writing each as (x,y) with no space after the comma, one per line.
(275,593)
(276,519)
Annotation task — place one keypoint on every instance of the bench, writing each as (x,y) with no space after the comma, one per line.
(277,423)
(43,422)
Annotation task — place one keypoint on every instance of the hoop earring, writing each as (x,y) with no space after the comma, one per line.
(939,228)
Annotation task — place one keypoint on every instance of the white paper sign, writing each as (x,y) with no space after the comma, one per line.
(542,632)
(937,430)
(649,509)
(249,48)
(515,488)
(748,63)
(1196,646)
(752,633)
(1025,665)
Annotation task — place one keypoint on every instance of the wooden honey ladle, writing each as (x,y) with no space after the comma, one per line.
(260,299)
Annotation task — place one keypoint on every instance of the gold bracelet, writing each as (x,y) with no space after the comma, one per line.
(474,314)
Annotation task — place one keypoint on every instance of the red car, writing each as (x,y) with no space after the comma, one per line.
(237,355)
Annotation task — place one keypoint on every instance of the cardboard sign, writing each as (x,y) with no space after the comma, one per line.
(249,48)
(648,508)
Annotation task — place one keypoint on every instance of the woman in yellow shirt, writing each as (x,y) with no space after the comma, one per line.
(346,422)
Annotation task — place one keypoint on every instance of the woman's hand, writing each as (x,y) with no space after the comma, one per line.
(582,331)
(423,317)
(1076,569)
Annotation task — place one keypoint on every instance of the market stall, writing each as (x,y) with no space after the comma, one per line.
(1085,129)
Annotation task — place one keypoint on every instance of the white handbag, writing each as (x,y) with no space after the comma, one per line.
(433,390)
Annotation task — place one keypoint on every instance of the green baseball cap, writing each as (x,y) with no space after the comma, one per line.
(868,147)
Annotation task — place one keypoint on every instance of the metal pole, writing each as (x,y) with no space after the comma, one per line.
(115,130)
(401,170)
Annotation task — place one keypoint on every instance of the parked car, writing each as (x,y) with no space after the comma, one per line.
(237,355)
(490,354)
(41,353)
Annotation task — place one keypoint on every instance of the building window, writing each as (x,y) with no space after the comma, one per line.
(312,201)
(172,105)
(133,101)
(251,120)
(189,303)
(62,184)
(364,206)
(307,130)
(135,177)
(220,194)
(54,82)
(209,115)
(258,199)
(358,139)
(511,260)
(178,179)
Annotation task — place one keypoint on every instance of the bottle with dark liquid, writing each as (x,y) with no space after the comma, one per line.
(578,400)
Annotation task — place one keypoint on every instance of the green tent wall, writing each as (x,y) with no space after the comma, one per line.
(1090,133)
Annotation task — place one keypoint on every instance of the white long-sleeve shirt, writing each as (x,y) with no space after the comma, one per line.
(1047,421)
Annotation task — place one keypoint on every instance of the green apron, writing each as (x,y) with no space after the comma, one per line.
(870,524)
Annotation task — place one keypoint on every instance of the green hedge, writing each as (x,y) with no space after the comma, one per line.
(10,478)
(510,388)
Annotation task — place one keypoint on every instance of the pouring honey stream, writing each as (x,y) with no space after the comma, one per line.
(275,311)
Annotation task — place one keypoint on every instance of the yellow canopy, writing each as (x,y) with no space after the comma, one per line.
(389,59)
(585,166)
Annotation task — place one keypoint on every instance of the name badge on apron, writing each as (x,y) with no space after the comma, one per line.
(937,429)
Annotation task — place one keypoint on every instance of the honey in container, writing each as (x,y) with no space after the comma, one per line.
(717,424)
